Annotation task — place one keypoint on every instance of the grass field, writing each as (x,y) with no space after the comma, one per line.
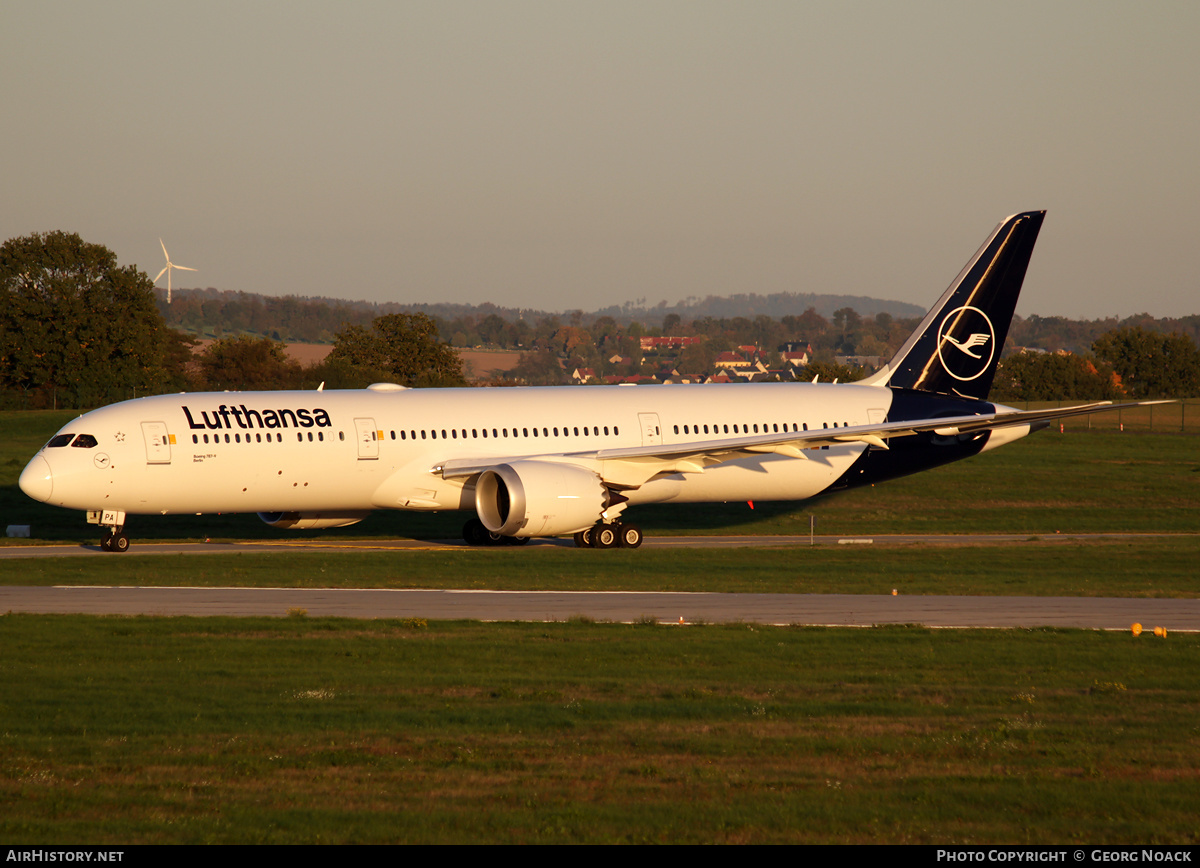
(130,730)
(298,730)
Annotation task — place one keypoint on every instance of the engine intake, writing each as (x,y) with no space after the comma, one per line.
(539,498)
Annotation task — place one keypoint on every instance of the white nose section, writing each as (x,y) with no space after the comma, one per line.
(36,480)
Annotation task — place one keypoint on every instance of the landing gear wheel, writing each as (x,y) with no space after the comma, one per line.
(106,542)
(630,535)
(605,536)
(583,539)
(474,533)
(119,543)
(515,540)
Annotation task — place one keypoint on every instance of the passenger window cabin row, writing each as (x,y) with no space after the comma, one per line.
(423,434)
(503,433)
(260,437)
(754,428)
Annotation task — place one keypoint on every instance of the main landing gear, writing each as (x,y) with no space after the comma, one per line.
(603,535)
(610,535)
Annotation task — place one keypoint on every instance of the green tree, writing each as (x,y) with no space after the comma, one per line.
(828,372)
(178,350)
(539,368)
(696,359)
(340,374)
(1053,377)
(245,364)
(1152,365)
(571,339)
(74,325)
(406,346)
(494,330)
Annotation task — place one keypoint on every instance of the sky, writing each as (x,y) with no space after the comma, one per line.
(562,155)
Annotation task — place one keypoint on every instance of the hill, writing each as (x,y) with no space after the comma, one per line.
(317,320)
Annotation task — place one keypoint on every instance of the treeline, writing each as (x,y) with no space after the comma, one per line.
(218,313)
(1128,362)
(398,348)
(553,349)
(1107,359)
(78,330)
(222,313)
(1053,333)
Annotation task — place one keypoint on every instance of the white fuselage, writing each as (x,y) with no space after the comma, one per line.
(345,451)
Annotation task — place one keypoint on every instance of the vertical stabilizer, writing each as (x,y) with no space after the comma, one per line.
(956,348)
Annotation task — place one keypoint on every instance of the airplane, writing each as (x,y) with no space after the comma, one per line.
(556,461)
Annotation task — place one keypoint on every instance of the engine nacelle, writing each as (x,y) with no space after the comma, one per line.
(539,498)
(311,520)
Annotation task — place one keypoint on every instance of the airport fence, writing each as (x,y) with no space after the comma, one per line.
(1180,417)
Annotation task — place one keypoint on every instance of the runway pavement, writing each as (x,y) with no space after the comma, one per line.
(849,610)
(621,606)
(651,542)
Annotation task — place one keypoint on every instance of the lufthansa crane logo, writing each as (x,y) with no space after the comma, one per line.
(966,343)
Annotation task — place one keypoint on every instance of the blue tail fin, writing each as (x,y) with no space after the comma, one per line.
(956,348)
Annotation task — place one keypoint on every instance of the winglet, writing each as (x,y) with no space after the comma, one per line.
(956,348)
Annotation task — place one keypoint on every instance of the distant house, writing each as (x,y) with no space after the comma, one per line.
(668,343)
(583,375)
(731,360)
(752,373)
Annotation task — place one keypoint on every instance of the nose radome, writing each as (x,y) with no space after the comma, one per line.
(36,480)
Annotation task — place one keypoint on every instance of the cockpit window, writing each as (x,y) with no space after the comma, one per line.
(84,441)
(59,440)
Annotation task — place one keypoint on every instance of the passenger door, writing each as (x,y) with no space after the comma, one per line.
(651,434)
(368,439)
(158,442)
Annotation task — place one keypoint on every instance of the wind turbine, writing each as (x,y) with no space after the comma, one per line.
(167,270)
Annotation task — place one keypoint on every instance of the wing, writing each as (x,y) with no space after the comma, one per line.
(633,466)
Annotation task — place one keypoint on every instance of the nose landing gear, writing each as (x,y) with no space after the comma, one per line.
(113,521)
(114,541)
